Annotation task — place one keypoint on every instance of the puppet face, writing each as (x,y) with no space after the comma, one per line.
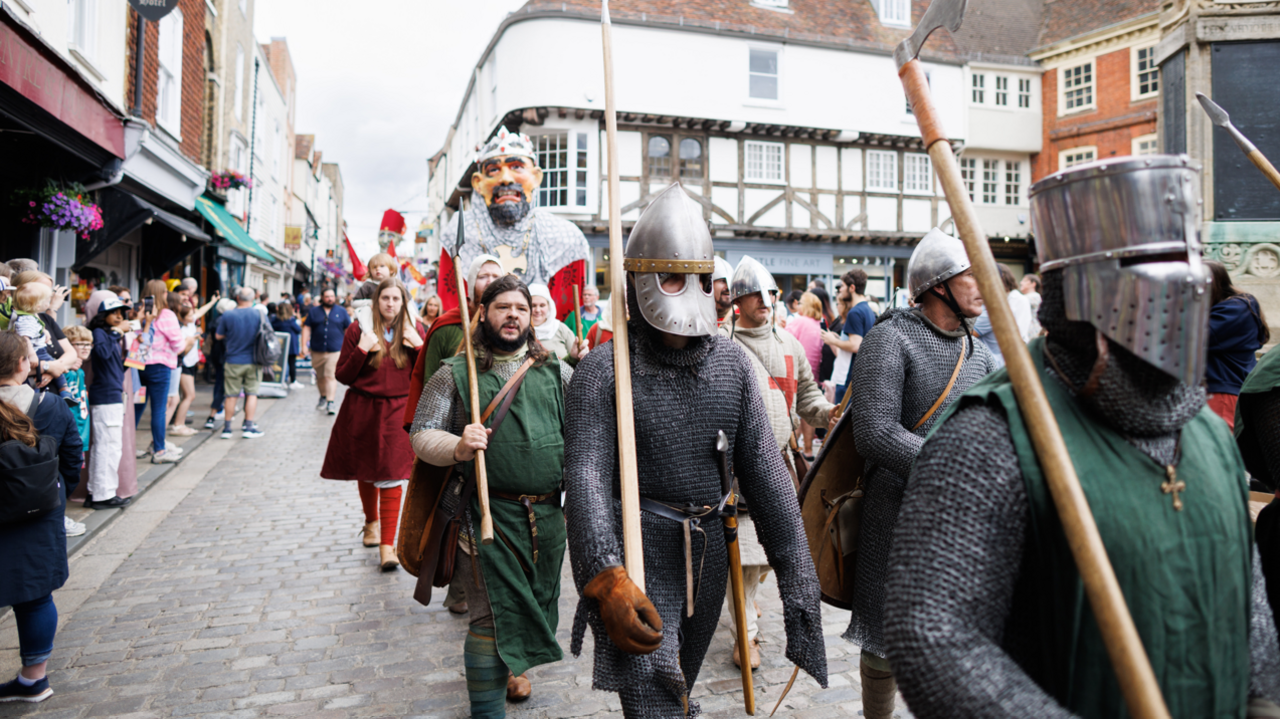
(507,183)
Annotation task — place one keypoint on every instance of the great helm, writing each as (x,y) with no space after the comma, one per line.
(671,238)
(751,277)
(937,258)
(1125,233)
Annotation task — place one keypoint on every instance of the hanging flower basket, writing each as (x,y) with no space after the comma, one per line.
(61,207)
(230,180)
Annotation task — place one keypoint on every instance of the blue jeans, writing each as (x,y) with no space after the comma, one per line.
(37,622)
(155,377)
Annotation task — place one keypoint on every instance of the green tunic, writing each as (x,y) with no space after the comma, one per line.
(1186,575)
(525,456)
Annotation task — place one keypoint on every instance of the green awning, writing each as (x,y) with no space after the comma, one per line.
(230,230)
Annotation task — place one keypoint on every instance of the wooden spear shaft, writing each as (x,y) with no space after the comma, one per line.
(1124,646)
(628,474)
(577,311)
(473,386)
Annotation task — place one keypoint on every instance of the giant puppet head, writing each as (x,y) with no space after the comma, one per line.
(506,176)
(391,231)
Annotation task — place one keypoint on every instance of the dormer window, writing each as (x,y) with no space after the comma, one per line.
(894,12)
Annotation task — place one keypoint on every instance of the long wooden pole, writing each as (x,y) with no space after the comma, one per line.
(1124,646)
(628,474)
(577,311)
(473,387)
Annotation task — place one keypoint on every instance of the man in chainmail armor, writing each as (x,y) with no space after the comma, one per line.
(789,391)
(911,365)
(688,384)
(513,584)
(986,615)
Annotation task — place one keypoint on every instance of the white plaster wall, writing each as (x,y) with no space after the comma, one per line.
(726,198)
(882,214)
(106,68)
(827,160)
(916,215)
(722,159)
(851,168)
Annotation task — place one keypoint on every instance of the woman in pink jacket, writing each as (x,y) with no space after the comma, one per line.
(162,343)
(806,327)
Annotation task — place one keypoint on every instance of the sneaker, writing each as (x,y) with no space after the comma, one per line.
(181,431)
(74,528)
(220,415)
(211,423)
(250,431)
(166,456)
(16,691)
(321,403)
(295,385)
(331,409)
(143,452)
(226,431)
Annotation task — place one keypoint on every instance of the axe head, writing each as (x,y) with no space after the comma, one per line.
(1214,110)
(941,13)
(457,247)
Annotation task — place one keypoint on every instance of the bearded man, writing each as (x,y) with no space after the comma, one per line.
(911,364)
(514,584)
(720,278)
(501,220)
(688,384)
(987,616)
(788,388)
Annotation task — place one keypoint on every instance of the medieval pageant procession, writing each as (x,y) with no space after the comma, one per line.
(941,386)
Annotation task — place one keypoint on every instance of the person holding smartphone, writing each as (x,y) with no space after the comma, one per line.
(162,342)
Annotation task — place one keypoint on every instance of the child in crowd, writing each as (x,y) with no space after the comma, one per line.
(187,364)
(81,339)
(381,266)
(106,404)
(28,302)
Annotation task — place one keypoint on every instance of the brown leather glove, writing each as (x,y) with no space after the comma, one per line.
(629,617)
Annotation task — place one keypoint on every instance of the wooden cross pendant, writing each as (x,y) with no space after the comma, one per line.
(1173,486)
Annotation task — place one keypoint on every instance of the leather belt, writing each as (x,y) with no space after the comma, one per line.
(690,517)
(527,501)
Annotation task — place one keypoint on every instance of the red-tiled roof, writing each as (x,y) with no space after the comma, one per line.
(1068,18)
(1000,30)
(852,23)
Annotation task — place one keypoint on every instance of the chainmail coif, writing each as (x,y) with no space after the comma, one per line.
(903,366)
(958,620)
(682,397)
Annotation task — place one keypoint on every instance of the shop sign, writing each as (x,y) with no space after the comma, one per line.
(26,67)
(786,263)
(154,10)
(292,238)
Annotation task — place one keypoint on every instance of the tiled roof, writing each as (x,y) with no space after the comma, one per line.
(849,23)
(1000,30)
(1065,19)
(302,147)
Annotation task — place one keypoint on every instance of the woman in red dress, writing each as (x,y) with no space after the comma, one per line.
(368,443)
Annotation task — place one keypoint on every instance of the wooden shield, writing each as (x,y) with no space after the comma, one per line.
(426,488)
(831,510)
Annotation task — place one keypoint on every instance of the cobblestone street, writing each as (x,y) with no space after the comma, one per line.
(237,587)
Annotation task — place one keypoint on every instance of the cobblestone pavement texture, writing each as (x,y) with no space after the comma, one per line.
(249,595)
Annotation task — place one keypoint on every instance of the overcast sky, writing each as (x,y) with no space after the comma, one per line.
(379,83)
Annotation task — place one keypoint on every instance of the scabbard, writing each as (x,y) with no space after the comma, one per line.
(739,600)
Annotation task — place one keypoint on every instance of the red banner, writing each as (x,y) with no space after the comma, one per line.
(38,75)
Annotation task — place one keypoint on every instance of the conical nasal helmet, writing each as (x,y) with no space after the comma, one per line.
(671,242)
(937,258)
(751,277)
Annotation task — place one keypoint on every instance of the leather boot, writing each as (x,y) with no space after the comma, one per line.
(879,689)
(388,561)
(518,688)
(371,534)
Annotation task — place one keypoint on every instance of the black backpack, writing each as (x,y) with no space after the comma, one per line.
(30,486)
(266,348)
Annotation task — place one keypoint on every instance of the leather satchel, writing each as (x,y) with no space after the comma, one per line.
(429,551)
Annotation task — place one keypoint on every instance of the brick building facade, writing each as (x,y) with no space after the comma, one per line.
(1100,86)
(190,130)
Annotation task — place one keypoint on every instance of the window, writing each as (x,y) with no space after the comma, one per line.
(83,30)
(238,85)
(1145,145)
(764,161)
(580,190)
(1012,183)
(968,174)
(1076,156)
(990,181)
(1077,87)
(894,12)
(564,169)
(690,159)
(763,71)
(882,170)
(659,156)
(917,173)
(979,92)
(1002,91)
(1146,76)
(1024,92)
(169,76)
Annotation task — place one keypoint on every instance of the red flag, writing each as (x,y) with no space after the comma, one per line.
(357,267)
(407,266)
(446,283)
(562,283)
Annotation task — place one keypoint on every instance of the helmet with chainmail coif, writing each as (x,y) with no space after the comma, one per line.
(671,238)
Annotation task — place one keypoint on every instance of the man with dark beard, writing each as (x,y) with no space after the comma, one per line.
(688,384)
(514,584)
(531,242)
(985,614)
(720,277)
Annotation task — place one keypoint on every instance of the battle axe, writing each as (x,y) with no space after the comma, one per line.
(1223,120)
(473,386)
(1124,646)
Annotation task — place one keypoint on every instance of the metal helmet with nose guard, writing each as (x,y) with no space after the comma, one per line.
(671,238)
